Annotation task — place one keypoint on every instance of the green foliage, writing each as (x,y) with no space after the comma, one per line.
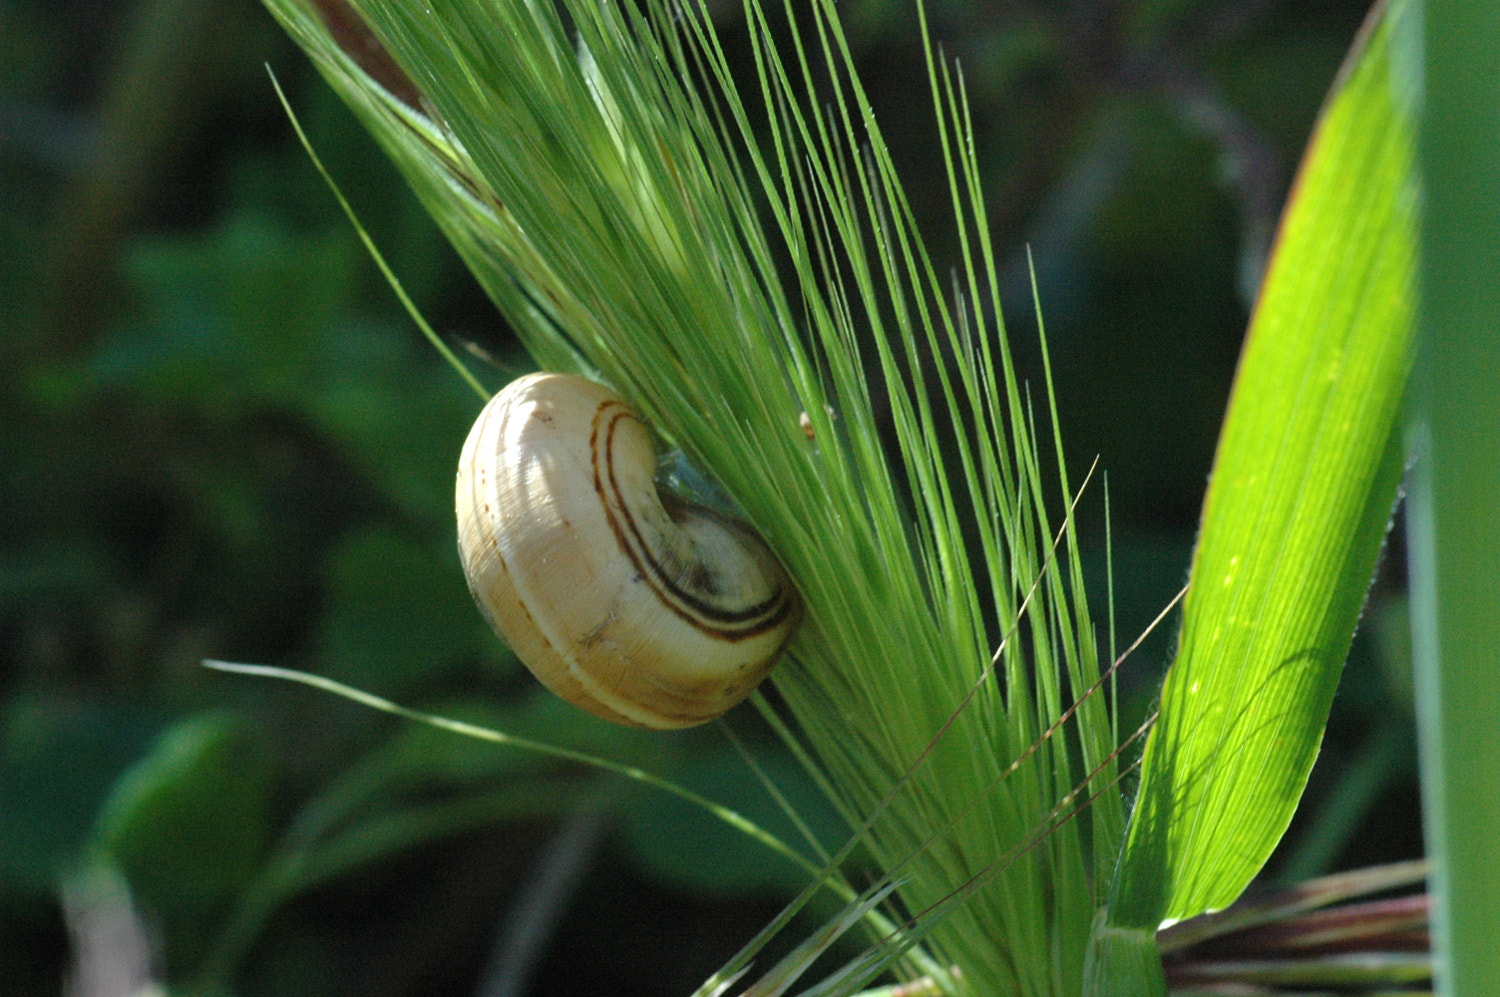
(397,613)
(45,819)
(683,844)
(600,203)
(221,439)
(189,825)
(188,822)
(1304,482)
(1455,504)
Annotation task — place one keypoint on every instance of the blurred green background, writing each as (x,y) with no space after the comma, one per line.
(219,437)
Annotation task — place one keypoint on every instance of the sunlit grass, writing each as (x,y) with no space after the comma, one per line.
(735,253)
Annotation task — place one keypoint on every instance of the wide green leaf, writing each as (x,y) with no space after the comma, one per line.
(1299,503)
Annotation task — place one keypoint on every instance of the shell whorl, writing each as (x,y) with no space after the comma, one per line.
(639,607)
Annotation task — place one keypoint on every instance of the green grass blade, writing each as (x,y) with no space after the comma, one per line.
(614,214)
(1300,499)
(1455,508)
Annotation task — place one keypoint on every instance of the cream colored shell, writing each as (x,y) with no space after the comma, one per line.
(637,606)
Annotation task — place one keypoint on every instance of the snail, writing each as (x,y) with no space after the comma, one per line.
(636,605)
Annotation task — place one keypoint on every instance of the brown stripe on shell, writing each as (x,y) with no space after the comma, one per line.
(730,625)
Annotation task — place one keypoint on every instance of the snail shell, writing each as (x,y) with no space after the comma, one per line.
(640,607)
